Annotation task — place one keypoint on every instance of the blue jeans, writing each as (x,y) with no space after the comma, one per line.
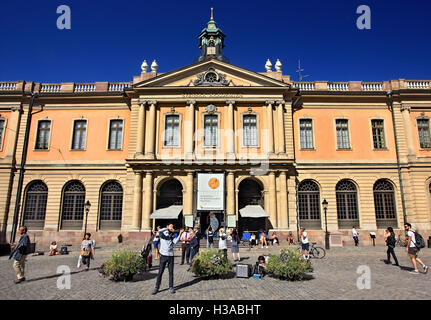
(193,252)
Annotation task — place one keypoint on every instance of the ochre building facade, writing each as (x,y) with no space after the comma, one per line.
(132,149)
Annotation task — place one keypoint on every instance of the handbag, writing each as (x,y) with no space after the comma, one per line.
(84,253)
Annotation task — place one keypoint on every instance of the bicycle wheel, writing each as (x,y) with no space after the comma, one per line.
(318,253)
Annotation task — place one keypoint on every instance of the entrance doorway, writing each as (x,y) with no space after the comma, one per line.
(215,218)
(250,193)
(170,193)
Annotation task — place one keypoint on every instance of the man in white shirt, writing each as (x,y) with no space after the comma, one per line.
(355,235)
(305,243)
(412,250)
(185,245)
(167,241)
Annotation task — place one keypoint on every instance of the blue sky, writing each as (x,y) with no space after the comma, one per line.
(110,39)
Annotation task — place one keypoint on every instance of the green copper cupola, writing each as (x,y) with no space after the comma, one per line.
(211,41)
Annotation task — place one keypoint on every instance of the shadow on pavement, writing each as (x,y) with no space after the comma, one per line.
(184,285)
(144,276)
(242,259)
(59,275)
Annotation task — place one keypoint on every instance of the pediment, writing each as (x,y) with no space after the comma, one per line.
(211,73)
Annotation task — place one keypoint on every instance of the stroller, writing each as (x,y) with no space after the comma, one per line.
(147,255)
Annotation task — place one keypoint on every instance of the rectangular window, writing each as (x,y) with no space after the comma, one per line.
(342,128)
(306,133)
(79,134)
(172,131)
(424,133)
(378,134)
(210,130)
(116,134)
(42,137)
(249,130)
(2,131)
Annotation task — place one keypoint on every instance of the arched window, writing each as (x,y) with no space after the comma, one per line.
(35,205)
(347,204)
(111,205)
(309,205)
(384,204)
(73,206)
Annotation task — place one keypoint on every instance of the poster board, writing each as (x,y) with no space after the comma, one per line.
(210,191)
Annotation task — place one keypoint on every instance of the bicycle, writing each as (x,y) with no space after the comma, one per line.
(315,252)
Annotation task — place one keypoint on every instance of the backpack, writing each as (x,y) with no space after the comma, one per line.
(391,241)
(420,242)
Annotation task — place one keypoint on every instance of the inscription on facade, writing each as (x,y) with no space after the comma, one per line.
(212,95)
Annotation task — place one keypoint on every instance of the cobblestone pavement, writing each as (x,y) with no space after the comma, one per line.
(334,277)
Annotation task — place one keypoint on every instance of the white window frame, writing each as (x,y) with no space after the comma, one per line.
(385,148)
(165,115)
(4,133)
(349,147)
(37,132)
(109,134)
(250,113)
(429,131)
(312,134)
(218,115)
(73,134)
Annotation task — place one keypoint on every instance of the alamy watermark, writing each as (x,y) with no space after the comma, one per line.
(63,281)
(364,20)
(64,21)
(364,280)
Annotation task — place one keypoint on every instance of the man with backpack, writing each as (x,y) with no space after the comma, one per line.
(415,242)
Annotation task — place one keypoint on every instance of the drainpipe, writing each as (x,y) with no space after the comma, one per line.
(21,169)
(389,94)
(296,103)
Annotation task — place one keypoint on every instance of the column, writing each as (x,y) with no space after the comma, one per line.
(280,127)
(141,130)
(272,200)
(137,201)
(405,112)
(230,130)
(148,201)
(189,125)
(150,133)
(230,197)
(269,127)
(188,203)
(282,216)
(291,189)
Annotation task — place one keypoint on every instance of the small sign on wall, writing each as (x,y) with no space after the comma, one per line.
(188,221)
(231,221)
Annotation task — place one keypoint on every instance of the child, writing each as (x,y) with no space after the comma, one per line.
(53,249)
(260,267)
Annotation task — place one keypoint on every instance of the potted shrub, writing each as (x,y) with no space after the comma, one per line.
(122,265)
(288,265)
(211,264)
